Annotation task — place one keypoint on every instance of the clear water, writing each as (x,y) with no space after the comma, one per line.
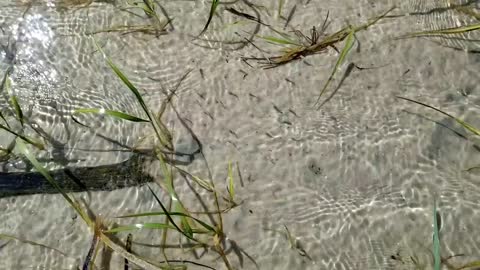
(354,182)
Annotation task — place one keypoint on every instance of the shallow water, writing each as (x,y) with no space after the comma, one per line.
(354,182)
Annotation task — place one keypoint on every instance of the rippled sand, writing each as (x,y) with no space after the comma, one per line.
(354,182)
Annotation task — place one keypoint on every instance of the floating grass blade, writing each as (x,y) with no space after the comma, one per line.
(447,31)
(95,253)
(236,23)
(468,11)
(146,5)
(6,85)
(204,184)
(122,77)
(163,140)
(245,15)
(295,244)
(146,29)
(213,8)
(29,140)
(201,182)
(290,238)
(139,226)
(437,260)
(231,186)
(115,114)
(373,21)
(343,54)
(290,16)
(466,125)
(169,217)
(149,8)
(347,73)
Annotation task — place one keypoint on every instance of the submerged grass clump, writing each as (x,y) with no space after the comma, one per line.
(177,217)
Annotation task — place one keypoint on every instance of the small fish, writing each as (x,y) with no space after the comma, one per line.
(232,94)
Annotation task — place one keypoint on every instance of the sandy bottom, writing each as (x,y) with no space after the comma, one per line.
(354,181)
